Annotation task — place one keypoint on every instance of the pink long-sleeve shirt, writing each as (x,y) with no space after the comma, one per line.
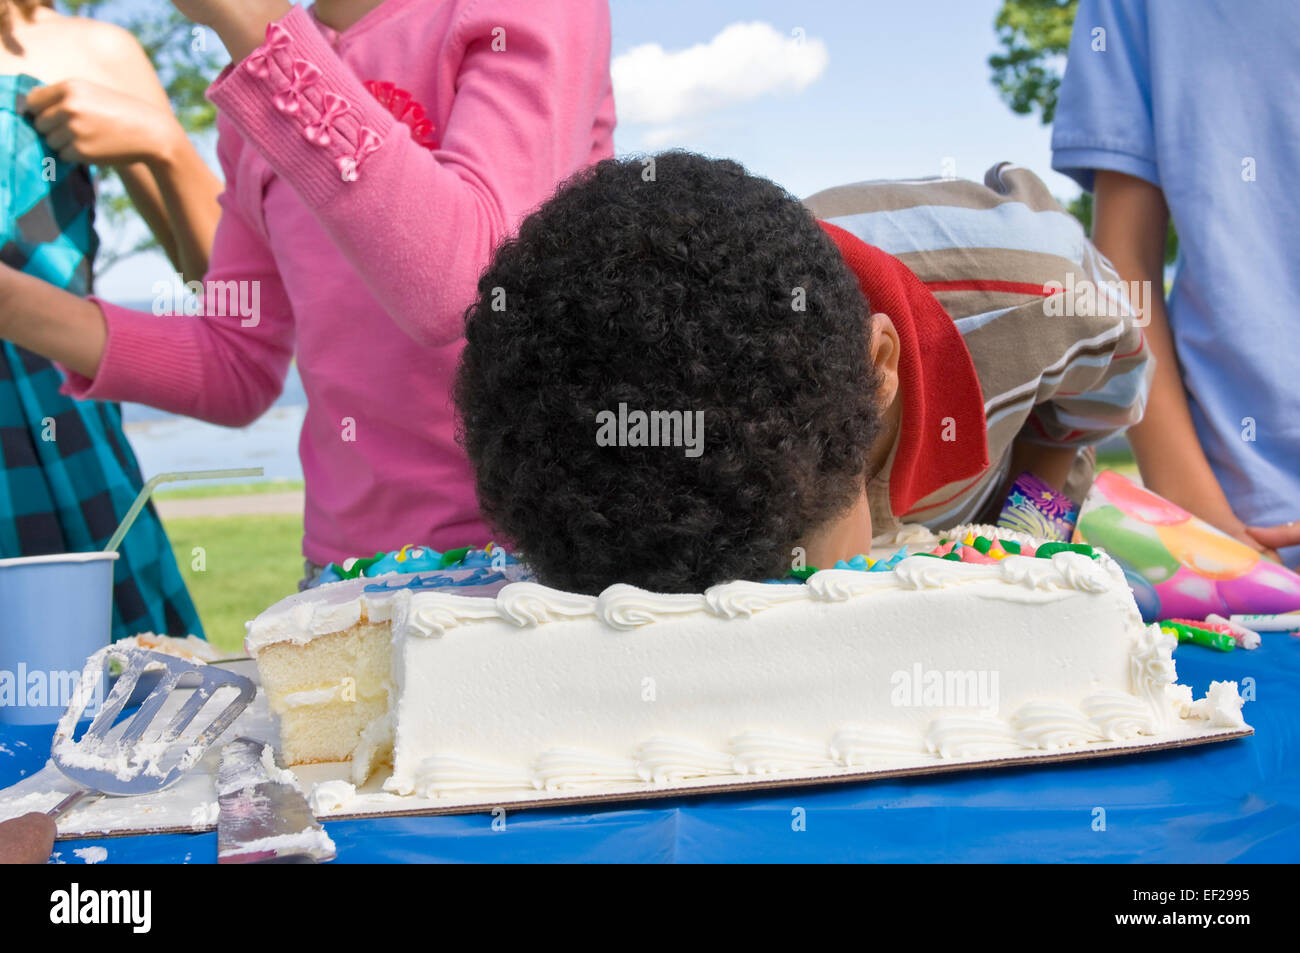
(366,244)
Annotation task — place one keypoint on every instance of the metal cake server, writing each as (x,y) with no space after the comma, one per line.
(263,816)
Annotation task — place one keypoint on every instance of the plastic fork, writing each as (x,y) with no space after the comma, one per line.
(135,758)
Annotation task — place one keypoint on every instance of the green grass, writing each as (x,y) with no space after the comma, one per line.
(249,562)
(199,491)
(1121,461)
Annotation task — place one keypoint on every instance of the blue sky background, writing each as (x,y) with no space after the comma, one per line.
(871,90)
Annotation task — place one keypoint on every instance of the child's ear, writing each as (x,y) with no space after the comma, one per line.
(885,349)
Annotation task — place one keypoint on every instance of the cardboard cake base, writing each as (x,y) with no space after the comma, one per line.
(190,804)
(373,801)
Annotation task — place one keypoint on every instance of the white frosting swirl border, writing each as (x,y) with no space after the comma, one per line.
(622,607)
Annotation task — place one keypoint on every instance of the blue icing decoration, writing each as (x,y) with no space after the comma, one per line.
(327,575)
(884,565)
(481,557)
(858,562)
(441,580)
(416,559)
(412,559)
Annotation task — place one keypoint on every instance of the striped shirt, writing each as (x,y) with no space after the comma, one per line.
(1054,339)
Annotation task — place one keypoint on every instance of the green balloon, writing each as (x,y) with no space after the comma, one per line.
(1128,539)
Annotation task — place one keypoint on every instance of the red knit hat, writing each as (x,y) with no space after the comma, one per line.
(937,380)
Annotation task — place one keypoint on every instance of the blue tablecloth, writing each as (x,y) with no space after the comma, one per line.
(1232,801)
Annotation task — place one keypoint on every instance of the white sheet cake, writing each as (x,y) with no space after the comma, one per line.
(472,682)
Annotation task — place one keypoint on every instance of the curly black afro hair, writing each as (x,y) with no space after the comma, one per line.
(670,283)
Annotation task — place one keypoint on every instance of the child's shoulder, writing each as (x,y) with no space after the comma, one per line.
(1008,264)
(58,47)
(94,37)
(105,44)
(1003,183)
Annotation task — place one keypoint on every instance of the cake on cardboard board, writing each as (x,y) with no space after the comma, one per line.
(476,680)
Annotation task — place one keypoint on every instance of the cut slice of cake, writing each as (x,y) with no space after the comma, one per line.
(325,658)
(480,689)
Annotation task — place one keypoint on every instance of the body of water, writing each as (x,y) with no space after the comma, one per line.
(166,442)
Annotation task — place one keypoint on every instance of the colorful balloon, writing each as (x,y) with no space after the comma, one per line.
(1204,549)
(1178,565)
(1140,503)
(1148,600)
(1128,538)
(1191,596)
(1268,589)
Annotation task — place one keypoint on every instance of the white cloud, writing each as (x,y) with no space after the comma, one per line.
(661,137)
(743,62)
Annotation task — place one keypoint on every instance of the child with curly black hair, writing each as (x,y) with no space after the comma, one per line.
(676,375)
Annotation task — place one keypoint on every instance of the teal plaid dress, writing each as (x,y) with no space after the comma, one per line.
(67,473)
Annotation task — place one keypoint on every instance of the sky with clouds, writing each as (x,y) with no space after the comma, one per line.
(809,94)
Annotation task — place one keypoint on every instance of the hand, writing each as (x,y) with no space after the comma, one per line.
(86,122)
(1273,538)
(27,839)
(1247,535)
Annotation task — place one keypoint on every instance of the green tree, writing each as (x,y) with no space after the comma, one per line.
(187,58)
(1034,36)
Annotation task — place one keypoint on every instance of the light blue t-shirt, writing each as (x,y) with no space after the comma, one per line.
(1203,99)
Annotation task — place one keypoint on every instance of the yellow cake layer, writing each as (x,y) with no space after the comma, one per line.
(328,690)
(360,653)
(327,732)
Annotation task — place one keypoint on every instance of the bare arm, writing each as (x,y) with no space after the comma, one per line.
(226,368)
(143,192)
(175,193)
(124,120)
(36,315)
(1050,464)
(182,181)
(1130,221)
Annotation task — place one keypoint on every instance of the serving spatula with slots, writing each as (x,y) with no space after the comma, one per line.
(152,749)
